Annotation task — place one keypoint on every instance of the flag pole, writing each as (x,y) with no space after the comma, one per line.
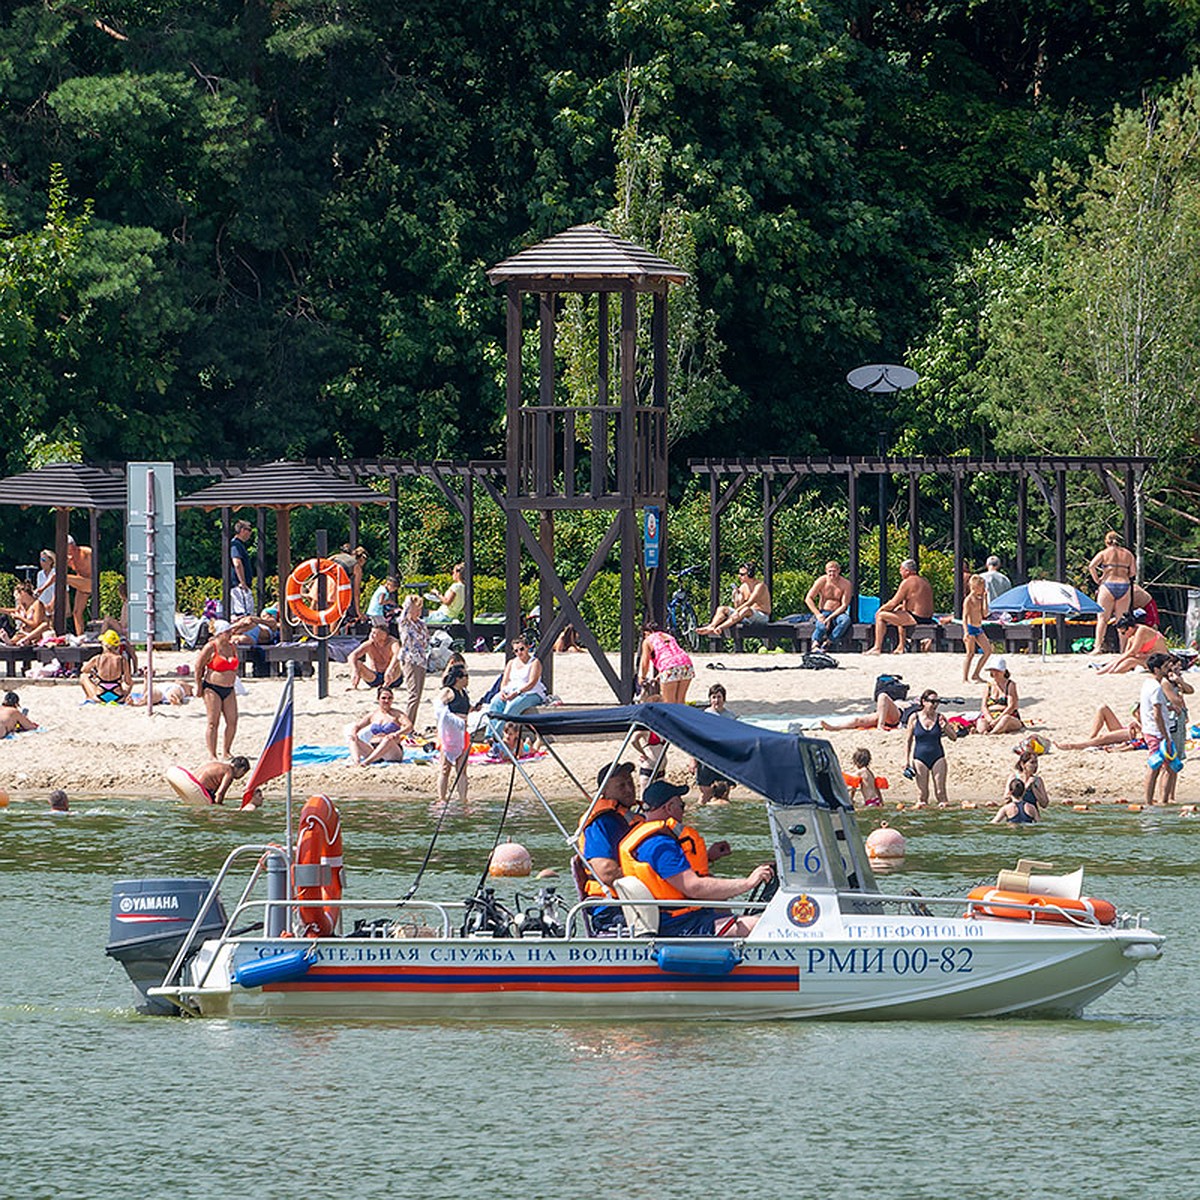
(291,679)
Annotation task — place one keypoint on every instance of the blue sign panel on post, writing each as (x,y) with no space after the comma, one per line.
(651,534)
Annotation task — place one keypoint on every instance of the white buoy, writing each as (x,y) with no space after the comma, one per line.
(510,858)
(885,842)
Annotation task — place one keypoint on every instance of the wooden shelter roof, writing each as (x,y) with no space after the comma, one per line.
(282,485)
(587,255)
(65,485)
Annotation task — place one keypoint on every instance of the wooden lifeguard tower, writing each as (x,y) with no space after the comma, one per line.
(602,456)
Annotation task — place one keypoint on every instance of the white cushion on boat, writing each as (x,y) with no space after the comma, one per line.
(641,918)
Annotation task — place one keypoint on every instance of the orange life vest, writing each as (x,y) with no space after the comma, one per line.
(593,886)
(659,888)
(694,847)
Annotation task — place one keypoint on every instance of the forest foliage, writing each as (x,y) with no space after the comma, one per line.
(262,229)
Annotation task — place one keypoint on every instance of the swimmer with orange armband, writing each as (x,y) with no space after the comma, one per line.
(865,781)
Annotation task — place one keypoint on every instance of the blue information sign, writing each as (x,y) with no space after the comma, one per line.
(651,534)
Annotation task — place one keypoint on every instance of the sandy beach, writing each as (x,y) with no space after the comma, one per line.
(97,749)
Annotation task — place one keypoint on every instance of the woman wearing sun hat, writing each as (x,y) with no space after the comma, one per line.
(1000,712)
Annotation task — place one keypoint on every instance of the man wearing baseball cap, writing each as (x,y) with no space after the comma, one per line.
(651,852)
(600,833)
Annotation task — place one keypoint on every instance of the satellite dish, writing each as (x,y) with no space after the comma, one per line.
(878,377)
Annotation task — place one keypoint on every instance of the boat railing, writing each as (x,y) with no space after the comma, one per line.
(864,902)
(185,948)
(442,908)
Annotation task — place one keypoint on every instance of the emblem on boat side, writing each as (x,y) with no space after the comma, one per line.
(803,911)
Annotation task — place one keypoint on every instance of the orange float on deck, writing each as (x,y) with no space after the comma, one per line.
(1061,910)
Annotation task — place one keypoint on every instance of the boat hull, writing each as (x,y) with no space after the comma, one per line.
(979,970)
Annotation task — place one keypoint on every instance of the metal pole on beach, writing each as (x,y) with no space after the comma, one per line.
(287,802)
(151,592)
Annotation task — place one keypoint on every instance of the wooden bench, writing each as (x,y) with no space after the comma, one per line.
(10,656)
(771,632)
(303,654)
(953,637)
(862,637)
(67,656)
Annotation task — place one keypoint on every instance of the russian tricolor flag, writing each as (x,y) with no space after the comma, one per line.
(276,758)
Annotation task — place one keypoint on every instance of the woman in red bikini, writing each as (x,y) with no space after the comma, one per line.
(216,670)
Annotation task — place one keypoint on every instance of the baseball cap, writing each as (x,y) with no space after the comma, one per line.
(661,792)
(1000,663)
(626,767)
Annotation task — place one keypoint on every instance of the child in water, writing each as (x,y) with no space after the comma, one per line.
(1018,810)
(863,780)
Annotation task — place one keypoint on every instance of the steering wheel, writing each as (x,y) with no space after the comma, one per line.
(762,892)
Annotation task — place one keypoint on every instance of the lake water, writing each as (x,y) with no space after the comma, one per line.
(98,1102)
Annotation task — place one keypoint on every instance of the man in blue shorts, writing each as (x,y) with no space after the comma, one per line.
(651,852)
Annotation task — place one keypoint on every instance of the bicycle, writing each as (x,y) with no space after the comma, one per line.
(681,613)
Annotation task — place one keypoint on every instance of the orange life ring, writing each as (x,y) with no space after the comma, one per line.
(339,592)
(992,902)
(318,873)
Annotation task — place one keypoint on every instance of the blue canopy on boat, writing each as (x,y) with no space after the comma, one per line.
(775,765)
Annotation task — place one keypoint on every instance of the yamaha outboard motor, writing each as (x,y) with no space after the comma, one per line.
(147,924)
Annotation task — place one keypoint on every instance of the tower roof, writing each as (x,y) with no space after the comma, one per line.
(590,256)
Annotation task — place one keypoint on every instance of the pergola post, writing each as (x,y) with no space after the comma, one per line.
(62,604)
(94,538)
(1060,551)
(226,564)
(959,547)
(1022,562)
(914,517)
(852,531)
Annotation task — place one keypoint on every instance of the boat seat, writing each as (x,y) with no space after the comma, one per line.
(642,919)
(580,875)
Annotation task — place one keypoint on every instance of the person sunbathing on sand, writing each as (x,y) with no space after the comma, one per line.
(886,716)
(1108,733)
(1140,641)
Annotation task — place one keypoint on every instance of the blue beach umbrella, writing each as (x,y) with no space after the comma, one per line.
(1044,596)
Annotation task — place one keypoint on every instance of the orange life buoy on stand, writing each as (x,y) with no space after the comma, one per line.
(339,592)
(318,873)
(1061,910)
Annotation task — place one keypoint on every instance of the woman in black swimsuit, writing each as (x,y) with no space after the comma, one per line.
(926,756)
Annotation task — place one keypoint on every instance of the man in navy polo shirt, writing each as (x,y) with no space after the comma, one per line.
(651,852)
(607,823)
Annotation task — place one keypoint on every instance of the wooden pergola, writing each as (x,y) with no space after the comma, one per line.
(281,486)
(456,480)
(780,478)
(62,487)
